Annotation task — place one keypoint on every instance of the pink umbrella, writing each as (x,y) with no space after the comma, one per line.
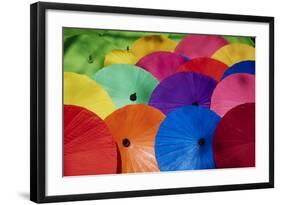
(195,46)
(233,90)
(161,64)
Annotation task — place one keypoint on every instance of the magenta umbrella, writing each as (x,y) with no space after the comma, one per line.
(195,46)
(161,64)
(181,89)
(233,90)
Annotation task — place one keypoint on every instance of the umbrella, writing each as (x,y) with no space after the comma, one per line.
(234,53)
(85,53)
(206,66)
(233,90)
(241,67)
(126,84)
(82,91)
(180,89)
(195,46)
(185,139)
(234,141)
(161,64)
(149,44)
(89,147)
(120,57)
(134,128)
(241,39)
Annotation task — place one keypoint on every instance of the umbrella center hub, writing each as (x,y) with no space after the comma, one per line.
(201,141)
(126,142)
(195,103)
(133,97)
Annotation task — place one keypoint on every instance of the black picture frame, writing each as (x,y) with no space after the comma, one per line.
(38,101)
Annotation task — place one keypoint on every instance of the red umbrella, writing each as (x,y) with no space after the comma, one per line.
(234,141)
(207,66)
(89,147)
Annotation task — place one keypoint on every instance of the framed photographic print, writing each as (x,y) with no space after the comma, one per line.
(129,102)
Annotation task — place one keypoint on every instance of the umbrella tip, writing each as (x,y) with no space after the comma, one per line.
(195,103)
(126,142)
(133,97)
(201,141)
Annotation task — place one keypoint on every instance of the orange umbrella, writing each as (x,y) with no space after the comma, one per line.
(134,128)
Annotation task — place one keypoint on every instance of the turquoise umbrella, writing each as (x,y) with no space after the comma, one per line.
(126,84)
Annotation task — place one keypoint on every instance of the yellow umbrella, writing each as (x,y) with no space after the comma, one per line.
(234,53)
(152,43)
(82,91)
(120,57)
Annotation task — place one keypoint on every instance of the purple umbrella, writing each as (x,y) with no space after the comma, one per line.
(161,64)
(181,89)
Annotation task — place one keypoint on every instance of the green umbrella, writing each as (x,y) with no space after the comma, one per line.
(240,39)
(85,53)
(126,84)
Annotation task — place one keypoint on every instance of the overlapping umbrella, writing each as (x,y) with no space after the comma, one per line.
(126,84)
(161,64)
(196,46)
(185,139)
(241,67)
(82,91)
(134,128)
(149,44)
(233,90)
(234,53)
(89,147)
(181,89)
(234,142)
(207,66)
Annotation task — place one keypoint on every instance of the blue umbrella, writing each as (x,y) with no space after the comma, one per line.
(185,139)
(241,67)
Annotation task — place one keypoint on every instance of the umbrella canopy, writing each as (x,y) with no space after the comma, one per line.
(241,39)
(85,53)
(234,141)
(233,90)
(82,91)
(119,57)
(134,128)
(241,67)
(234,53)
(206,66)
(195,46)
(126,84)
(89,147)
(181,89)
(149,44)
(161,64)
(185,139)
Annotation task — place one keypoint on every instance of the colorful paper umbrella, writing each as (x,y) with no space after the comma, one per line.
(240,39)
(126,84)
(185,139)
(233,90)
(134,128)
(89,147)
(149,44)
(234,141)
(234,53)
(85,53)
(206,66)
(241,67)
(161,64)
(181,89)
(119,57)
(82,91)
(195,46)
